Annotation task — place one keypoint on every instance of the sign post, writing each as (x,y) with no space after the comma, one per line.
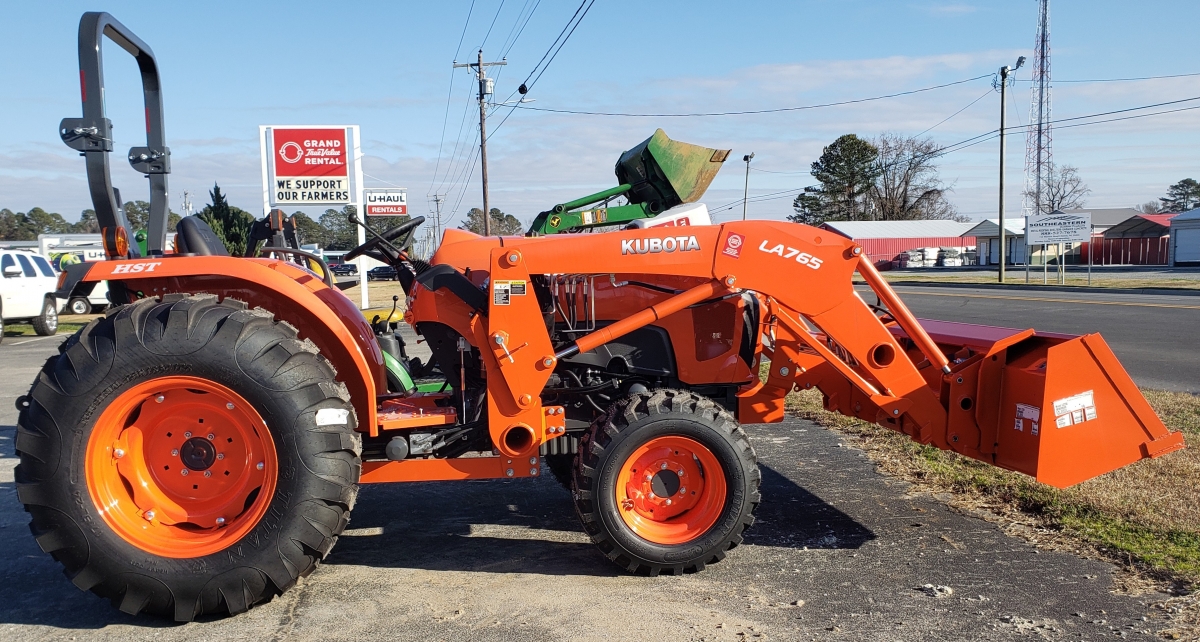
(1057,228)
(306,165)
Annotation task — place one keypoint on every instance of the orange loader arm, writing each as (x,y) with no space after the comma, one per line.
(1057,407)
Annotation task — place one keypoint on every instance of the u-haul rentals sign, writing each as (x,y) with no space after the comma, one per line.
(309,166)
(386,202)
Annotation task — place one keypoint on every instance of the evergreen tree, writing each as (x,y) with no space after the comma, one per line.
(342,234)
(1182,196)
(847,170)
(502,224)
(231,224)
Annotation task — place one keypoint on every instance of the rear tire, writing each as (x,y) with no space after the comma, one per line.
(292,520)
(79,305)
(46,323)
(685,449)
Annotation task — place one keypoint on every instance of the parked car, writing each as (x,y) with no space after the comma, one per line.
(342,269)
(382,273)
(27,284)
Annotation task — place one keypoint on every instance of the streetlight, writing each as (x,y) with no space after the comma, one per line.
(1004,72)
(746,193)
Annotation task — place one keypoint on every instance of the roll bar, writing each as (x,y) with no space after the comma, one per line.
(92,134)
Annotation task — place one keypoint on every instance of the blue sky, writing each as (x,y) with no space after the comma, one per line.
(386,66)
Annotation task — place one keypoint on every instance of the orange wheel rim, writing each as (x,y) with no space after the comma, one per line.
(181,466)
(671,490)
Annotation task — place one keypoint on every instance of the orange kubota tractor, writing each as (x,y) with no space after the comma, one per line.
(199,448)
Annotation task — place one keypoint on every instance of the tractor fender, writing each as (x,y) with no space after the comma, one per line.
(293,294)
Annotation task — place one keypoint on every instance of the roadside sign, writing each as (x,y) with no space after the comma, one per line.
(308,166)
(1058,227)
(386,202)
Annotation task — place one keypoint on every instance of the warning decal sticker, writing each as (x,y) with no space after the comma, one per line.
(1075,410)
(502,292)
(516,288)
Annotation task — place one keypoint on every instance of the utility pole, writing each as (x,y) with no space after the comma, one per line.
(485,89)
(437,219)
(1004,72)
(746,193)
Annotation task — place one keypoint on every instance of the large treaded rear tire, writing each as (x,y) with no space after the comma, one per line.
(283,378)
(633,422)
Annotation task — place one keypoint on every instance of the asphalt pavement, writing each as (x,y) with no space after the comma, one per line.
(1156,337)
(839,552)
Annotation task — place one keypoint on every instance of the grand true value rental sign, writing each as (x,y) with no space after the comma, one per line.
(308,165)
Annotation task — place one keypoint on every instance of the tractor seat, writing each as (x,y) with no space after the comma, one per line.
(196,237)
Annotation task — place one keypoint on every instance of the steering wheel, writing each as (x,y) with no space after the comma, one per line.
(373,245)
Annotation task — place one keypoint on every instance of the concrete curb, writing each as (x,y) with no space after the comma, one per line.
(1047,288)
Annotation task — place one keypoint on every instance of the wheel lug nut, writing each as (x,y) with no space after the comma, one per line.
(682,490)
(118,453)
(680,472)
(229,405)
(211,436)
(653,496)
(149,515)
(259,466)
(649,477)
(174,452)
(160,399)
(187,435)
(184,472)
(208,473)
(220,521)
(664,466)
(668,502)
(220,455)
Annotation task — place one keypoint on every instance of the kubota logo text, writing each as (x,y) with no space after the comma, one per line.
(656,245)
(133,268)
(803,258)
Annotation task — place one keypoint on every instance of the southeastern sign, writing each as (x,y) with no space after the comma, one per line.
(386,202)
(1058,227)
(310,166)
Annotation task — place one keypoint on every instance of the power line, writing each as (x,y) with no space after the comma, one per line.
(489,31)
(995,133)
(759,111)
(943,121)
(449,94)
(560,35)
(1127,79)
(529,85)
(509,44)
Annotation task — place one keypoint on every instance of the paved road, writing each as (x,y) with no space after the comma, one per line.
(1155,337)
(506,560)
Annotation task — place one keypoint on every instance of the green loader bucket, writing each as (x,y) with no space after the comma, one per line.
(665,173)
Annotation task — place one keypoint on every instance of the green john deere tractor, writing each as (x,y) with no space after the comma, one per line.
(657,175)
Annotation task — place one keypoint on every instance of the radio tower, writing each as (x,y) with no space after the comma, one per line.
(1037,142)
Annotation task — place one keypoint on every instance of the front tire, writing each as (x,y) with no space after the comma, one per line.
(156,390)
(666,481)
(46,323)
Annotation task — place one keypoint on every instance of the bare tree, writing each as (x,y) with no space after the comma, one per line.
(908,186)
(1150,207)
(1063,189)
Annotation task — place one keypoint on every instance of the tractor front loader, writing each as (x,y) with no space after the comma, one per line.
(199,449)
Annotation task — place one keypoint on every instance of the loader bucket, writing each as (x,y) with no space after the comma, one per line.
(668,172)
(1057,407)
